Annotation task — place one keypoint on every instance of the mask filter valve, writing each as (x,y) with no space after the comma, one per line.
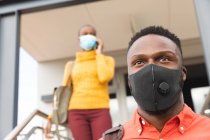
(163,88)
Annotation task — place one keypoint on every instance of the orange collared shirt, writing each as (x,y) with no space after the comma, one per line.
(187,125)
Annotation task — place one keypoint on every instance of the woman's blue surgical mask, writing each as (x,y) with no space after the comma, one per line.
(88,42)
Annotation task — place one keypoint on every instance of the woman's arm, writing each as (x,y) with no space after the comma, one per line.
(105,67)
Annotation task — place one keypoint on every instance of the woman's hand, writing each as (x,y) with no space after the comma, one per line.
(100,45)
(47,129)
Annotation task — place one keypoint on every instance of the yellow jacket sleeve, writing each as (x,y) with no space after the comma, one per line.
(105,67)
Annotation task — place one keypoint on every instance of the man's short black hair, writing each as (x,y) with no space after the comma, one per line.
(157,30)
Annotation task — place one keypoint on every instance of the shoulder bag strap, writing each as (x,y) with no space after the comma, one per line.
(56,113)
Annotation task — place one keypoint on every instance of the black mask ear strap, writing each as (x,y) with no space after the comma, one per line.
(129,84)
(184,70)
(181,83)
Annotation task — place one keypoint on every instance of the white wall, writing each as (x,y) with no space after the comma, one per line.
(27,98)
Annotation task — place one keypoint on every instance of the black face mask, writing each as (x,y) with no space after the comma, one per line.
(156,88)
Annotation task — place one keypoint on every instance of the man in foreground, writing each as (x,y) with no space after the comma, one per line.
(156,76)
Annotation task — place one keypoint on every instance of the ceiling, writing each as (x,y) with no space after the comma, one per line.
(53,34)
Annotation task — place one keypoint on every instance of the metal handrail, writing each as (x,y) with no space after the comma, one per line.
(16,131)
(28,135)
(31,132)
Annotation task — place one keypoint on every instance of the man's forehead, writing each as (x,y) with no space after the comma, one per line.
(152,43)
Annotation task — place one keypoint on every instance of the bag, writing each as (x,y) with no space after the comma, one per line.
(61,98)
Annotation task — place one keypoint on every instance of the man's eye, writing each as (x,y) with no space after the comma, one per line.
(139,62)
(164,59)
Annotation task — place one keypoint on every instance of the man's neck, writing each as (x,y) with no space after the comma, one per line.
(158,121)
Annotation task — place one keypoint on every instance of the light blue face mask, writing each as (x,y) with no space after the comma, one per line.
(88,42)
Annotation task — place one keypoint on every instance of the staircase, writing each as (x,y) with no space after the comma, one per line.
(32,128)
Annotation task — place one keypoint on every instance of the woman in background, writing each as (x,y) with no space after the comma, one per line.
(88,115)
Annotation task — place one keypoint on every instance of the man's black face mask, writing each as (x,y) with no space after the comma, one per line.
(156,88)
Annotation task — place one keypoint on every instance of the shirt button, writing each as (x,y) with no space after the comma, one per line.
(143,122)
(181,128)
(139,130)
(161,139)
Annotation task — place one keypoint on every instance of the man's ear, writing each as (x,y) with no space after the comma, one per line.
(184,73)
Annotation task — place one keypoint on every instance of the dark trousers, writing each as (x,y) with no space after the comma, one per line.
(89,124)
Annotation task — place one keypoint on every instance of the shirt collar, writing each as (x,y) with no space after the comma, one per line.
(183,119)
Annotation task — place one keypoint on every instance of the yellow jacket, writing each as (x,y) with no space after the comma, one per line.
(90,76)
